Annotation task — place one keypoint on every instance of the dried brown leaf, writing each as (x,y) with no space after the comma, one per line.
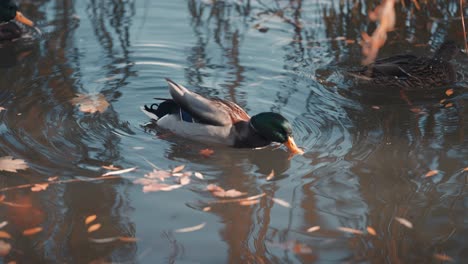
(281,202)
(232,193)
(158,174)
(313,229)
(350,230)
(4,234)
(39,187)
(371,231)
(431,173)
(448,105)
(94,227)
(443,257)
(90,219)
(255,197)
(375,107)
(4,248)
(184,180)
(190,229)
(206,209)
(248,202)
(206,152)
(119,172)
(404,222)
(8,163)
(3,224)
(465,169)
(90,103)
(144,181)
(178,169)
(32,231)
(54,178)
(2,108)
(128,239)
(155,187)
(449,92)
(214,188)
(103,240)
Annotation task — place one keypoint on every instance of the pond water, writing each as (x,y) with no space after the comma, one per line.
(366,155)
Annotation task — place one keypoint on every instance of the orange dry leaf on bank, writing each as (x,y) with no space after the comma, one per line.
(90,219)
(32,231)
(206,152)
(8,163)
(431,173)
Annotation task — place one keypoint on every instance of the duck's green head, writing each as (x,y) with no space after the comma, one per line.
(275,128)
(9,11)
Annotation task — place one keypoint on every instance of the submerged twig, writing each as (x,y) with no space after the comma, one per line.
(463,24)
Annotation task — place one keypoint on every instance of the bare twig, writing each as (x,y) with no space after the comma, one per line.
(463,24)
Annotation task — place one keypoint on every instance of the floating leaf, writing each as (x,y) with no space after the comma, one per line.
(158,174)
(465,169)
(190,229)
(93,228)
(7,163)
(313,229)
(281,202)
(248,202)
(350,230)
(184,180)
(255,196)
(4,234)
(119,172)
(154,187)
(214,188)
(448,105)
(443,257)
(371,231)
(232,193)
(206,152)
(39,187)
(90,103)
(90,219)
(54,178)
(110,167)
(206,209)
(375,107)
(449,92)
(199,175)
(3,224)
(32,231)
(431,173)
(404,222)
(128,239)
(2,108)
(178,169)
(4,248)
(271,175)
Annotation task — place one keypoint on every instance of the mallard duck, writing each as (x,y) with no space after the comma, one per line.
(412,72)
(193,116)
(8,13)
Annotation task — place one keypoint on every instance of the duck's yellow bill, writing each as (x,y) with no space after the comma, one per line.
(291,145)
(20,18)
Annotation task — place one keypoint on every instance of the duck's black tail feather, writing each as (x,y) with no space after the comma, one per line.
(164,108)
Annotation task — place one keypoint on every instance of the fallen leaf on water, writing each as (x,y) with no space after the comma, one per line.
(248,202)
(158,174)
(39,187)
(4,234)
(7,163)
(281,202)
(404,222)
(271,175)
(431,173)
(110,167)
(182,174)
(313,229)
(171,187)
(184,180)
(93,228)
(206,209)
(119,172)
(144,181)
(199,175)
(214,188)
(3,224)
(448,105)
(443,257)
(90,103)
(90,219)
(103,240)
(350,230)
(375,107)
(2,108)
(155,187)
(465,169)
(371,231)
(449,92)
(128,239)
(255,197)
(4,248)
(178,169)
(232,193)
(190,229)
(206,152)
(32,231)
(54,178)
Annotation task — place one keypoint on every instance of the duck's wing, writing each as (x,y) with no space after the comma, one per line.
(395,66)
(215,112)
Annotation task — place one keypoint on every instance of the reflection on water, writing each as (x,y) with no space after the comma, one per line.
(367,152)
